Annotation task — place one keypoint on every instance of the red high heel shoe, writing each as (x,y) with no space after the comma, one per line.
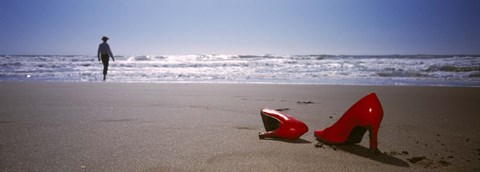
(366,114)
(280,125)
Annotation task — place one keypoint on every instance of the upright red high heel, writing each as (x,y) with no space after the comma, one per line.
(366,114)
(279,125)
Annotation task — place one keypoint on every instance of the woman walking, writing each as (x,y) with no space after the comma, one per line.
(105,53)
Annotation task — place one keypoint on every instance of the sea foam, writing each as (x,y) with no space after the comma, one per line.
(291,69)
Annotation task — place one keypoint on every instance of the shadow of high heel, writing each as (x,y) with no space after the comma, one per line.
(376,156)
(296,141)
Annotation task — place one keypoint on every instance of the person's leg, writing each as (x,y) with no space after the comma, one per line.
(105,59)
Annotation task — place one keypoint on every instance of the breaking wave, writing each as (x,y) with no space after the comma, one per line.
(296,69)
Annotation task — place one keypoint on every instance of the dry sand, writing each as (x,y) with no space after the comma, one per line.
(213,127)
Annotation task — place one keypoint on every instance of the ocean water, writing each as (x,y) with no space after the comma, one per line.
(424,70)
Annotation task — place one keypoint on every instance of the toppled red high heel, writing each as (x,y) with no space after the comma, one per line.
(279,125)
(366,114)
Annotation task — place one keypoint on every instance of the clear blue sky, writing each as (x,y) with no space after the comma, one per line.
(139,27)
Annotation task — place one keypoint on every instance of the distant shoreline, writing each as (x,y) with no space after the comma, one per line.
(234,83)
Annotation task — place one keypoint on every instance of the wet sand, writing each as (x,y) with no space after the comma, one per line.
(213,127)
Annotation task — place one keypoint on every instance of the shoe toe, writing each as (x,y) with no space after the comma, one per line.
(318,133)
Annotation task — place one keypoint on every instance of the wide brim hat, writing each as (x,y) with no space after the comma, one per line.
(105,38)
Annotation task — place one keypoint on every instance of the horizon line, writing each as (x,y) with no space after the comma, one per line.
(265,54)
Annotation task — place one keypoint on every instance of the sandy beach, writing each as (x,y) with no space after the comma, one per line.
(95,126)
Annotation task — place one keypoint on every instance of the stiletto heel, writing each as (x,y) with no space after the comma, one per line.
(279,125)
(365,114)
(373,139)
(263,135)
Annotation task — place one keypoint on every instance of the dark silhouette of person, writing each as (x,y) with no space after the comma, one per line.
(105,53)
